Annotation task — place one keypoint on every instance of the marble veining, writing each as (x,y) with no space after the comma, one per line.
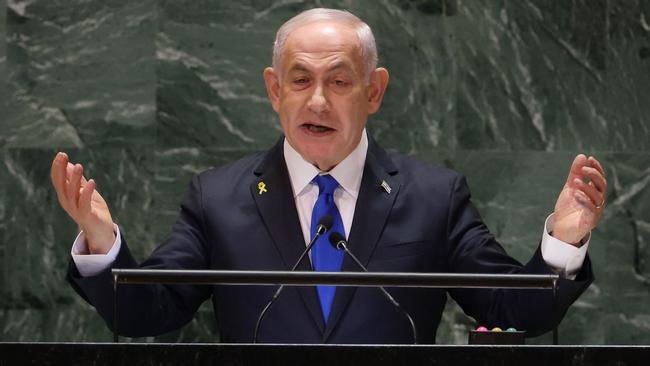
(148,93)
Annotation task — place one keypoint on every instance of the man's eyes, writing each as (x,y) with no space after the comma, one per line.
(302,81)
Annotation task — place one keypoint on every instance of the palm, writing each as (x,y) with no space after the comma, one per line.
(579,206)
(571,213)
(83,203)
(99,212)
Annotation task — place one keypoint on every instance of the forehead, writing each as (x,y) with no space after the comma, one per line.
(322,42)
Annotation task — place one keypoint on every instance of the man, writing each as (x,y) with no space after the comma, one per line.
(397,213)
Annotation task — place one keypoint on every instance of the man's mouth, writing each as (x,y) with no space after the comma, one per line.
(317,129)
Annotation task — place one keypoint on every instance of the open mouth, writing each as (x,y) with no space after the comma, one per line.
(317,129)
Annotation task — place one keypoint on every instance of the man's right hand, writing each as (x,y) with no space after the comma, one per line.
(83,204)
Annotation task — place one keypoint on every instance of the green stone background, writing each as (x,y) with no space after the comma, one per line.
(146,93)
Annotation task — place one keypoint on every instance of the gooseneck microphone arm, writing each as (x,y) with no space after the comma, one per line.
(338,241)
(324,224)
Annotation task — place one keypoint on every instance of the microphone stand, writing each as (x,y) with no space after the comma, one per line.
(324,224)
(338,241)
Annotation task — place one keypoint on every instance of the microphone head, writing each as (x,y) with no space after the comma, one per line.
(335,239)
(325,223)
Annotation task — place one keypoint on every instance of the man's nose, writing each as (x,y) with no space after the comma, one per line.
(318,103)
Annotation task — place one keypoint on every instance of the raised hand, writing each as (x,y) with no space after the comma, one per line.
(581,202)
(78,197)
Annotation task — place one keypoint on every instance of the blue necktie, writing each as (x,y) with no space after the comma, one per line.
(324,256)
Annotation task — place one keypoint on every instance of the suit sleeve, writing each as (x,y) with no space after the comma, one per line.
(472,249)
(147,310)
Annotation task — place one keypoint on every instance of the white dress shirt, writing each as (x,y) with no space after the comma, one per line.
(347,173)
(565,259)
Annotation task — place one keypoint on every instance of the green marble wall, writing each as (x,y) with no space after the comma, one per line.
(147,93)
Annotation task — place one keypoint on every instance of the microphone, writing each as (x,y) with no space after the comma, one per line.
(324,224)
(338,241)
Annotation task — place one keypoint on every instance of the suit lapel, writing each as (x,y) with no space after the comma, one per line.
(371,212)
(275,202)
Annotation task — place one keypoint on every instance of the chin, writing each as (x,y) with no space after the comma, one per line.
(322,159)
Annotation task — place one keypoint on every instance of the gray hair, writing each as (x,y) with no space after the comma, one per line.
(366,38)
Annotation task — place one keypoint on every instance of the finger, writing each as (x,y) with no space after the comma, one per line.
(596,178)
(582,198)
(69,171)
(576,168)
(73,185)
(83,179)
(596,164)
(85,197)
(84,182)
(592,193)
(58,174)
(59,161)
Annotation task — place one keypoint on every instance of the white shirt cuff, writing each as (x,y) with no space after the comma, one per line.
(563,258)
(92,264)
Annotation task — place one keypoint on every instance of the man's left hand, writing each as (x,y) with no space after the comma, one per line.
(581,202)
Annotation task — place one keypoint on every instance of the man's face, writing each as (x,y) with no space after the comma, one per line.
(322,97)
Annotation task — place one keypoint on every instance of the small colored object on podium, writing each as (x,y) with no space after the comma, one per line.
(496,336)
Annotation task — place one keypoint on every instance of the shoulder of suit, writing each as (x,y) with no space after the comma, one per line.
(408,165)
(235,172)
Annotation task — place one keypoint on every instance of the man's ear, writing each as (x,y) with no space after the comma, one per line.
(377,88)
(272,87)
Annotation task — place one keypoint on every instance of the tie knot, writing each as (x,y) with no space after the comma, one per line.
(326,184)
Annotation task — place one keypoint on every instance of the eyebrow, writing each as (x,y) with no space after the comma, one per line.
(299,66)
(340,65)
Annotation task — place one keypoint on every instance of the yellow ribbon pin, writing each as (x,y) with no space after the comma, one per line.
(262,187)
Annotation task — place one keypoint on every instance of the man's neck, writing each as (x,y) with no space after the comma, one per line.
(348,172)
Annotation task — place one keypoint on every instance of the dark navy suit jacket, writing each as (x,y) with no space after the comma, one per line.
(426,224)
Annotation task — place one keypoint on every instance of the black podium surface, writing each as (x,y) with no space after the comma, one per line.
(132,354)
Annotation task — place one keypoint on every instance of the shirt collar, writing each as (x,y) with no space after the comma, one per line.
(348,172)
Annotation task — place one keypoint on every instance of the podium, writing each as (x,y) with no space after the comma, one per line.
(354,279)
(132,354)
